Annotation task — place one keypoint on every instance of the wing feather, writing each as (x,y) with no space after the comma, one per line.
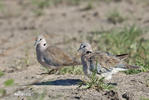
(105,60)
(57,57)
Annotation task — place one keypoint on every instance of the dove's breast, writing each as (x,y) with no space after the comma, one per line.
(86,66)
(40,57)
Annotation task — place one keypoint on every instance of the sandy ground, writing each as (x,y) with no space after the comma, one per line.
(65,26)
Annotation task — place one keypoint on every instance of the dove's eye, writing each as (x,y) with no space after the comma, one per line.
(84,46)
(40,39)
(44,44)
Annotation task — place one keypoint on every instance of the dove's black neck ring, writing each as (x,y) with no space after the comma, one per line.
(88,52)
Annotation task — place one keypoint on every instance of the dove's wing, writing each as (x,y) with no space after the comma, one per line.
(122,56)
(104,60)
(57,57)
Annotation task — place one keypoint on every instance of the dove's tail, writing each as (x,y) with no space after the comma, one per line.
(73,62)
(132,67)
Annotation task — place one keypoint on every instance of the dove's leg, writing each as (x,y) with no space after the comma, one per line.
(52,71)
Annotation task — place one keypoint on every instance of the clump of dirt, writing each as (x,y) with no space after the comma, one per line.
(112,95)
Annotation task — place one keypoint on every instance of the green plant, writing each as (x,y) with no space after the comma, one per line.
(96,83)
(115,17)
(142,63)
(38,96)
(38,12)
(89,5)
(41,3)
(2,92)
(39,6)
(1,73)
(1,6)
(9,82)
(73,2)
(143,98)
(26,59)
(76,70)
(147,82)
(45,3)
(23,62)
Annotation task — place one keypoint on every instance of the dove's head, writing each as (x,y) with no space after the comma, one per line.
(40,42)
(85,47)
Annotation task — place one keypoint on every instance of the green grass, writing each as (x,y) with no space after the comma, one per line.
(75,70)
(26,59)
(115,17)
(38,12)
(73,2)
(2,92)
(109,1)
(147,82)
(124,40)
(46,3)
(1,73)
(143,98)
(1,6)
(89,5)
(96,83)
(40,5)
(9,82)
(38,96)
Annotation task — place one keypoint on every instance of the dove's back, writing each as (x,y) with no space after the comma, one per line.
(105,60)
(56,57)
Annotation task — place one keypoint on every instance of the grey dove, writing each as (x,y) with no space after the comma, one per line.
(105,63)
(52,56)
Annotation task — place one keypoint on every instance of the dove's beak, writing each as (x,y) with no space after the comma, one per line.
(79,49)
(36,42)
(78,52)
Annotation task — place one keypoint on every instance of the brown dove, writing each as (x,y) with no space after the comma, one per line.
(105,64)
(52,56)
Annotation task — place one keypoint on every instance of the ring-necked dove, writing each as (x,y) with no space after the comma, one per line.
(52,56)
(105,64)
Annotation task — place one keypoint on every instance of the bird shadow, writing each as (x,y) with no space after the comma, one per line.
(60,82)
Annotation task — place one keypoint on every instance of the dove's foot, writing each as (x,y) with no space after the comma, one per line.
(52,71)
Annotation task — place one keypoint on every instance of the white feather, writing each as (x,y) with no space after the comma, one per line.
(116,70)
(108,75)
